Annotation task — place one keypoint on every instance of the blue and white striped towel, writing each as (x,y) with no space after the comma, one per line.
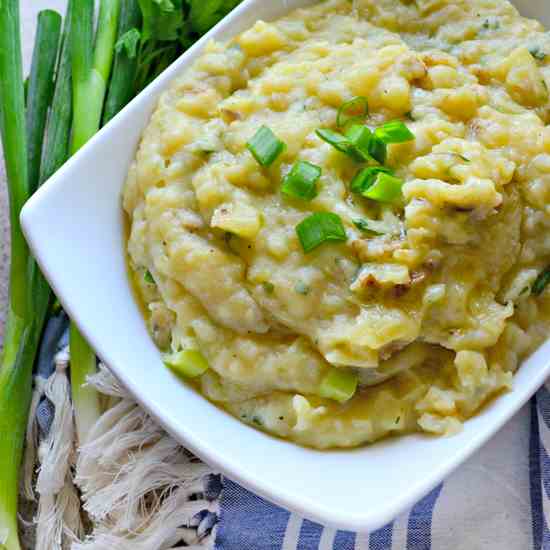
(498,500)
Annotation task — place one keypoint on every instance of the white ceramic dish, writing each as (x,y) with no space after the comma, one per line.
(74,226)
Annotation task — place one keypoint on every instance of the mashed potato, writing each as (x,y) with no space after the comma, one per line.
(431,312)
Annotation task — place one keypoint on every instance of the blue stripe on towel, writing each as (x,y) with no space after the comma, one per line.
(381,539)
(344,540)
(535,478)
(543,403)
(310,535)
(419,529)
(248,522)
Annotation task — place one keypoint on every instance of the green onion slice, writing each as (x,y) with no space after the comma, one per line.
(366,226)
(352,110)
(336,139)
(339,385)
(188,363)
(265,146)
(148,278)
(301,181)
(319,228)
(378,149)
(541,282)
(394,132)
(360,137)
(385,188)
(366,177)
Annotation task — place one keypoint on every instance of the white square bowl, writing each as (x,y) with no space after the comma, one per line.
(75,229)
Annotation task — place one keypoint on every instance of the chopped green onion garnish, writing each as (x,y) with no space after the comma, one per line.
(339,385)
(265,146)
(148,278)
(378,149)
(385,188)
(360,137)
(354,109)
(336,139)
(363,225)
(302,288)
(394,132)
(366,177)
(300,181)
(189,363)
(268,287)
(541,282)
(319,228)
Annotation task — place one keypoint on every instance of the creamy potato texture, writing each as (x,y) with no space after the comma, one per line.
(434,310)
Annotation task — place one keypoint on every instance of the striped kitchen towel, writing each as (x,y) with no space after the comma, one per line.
(498,500)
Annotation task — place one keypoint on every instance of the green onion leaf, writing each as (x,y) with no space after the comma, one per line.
(340,143)
(269,288)
(366,177)
(364,225)
(394,132)
(354,109)
(338,385)
(541,282)
(265,146)
(378,149)
(385,188)
(360,137)
(319,228)
(188,363)
(301,181)
(148,278)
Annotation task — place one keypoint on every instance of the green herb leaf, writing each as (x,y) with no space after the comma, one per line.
(162,19)
(366,177)
(394,132)
(129,42)
(541,282)
(205,14)
(265,146)
(354,109)
(301,181)
(319,228)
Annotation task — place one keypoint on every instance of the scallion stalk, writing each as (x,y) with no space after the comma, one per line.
(22,329)
(122,85)
(41,87)
(91,68)
(58,127)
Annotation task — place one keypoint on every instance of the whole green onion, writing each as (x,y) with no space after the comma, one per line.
(23,323)
(91,69)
